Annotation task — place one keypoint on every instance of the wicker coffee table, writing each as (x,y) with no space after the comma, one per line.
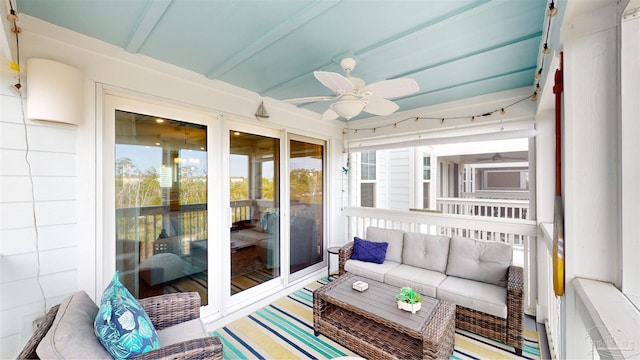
(371,324)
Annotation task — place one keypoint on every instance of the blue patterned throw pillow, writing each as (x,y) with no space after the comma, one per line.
(122,325)
(369,251)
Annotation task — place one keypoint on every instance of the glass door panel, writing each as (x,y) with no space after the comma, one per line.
(255,209)
(306,179)
(161,205)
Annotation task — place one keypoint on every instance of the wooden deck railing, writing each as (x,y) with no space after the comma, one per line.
(502,208)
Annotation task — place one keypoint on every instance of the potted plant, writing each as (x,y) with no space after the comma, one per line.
(409,300)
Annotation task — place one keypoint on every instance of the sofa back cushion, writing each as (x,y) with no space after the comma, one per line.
(426,251)
(393,237)
(485,261)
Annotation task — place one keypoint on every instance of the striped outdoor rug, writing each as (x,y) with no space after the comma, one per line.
(246,281)
(284,330)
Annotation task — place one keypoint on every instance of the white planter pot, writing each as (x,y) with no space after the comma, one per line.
(413,308)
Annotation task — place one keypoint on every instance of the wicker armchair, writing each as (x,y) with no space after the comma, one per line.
(164,311)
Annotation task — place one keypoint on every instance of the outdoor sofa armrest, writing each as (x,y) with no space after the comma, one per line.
(515,305)
(343,255)
(172,309)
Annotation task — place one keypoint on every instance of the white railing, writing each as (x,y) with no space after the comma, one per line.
(548,304)
(521,234)
(502,208)
(248,209)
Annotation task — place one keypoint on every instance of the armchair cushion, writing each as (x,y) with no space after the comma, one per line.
(188,330)
(122,325)
(71,335)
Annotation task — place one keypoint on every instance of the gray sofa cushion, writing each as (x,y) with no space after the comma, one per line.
(370,270)
(426,251)
(479,296)
(485,261)
(421,280)
(71,336)
(393,237)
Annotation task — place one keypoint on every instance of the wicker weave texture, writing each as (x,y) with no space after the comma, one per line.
(29,350)
(379,338)
(171,309)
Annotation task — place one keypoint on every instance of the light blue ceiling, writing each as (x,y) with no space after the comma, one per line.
(454,49)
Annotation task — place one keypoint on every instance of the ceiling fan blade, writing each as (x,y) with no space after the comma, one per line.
(379,106)
(304,100)
(392,88)
(334,81)
(329,114)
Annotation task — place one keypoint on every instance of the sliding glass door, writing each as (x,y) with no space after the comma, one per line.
(306,194)
(254,183)
(161,223)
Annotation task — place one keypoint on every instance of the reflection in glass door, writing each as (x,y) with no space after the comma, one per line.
(161,205)
(306,178)
(255,209)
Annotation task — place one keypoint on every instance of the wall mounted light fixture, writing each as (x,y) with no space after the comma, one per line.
(55,92)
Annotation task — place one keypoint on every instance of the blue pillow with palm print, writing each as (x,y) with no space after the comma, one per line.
(122,325)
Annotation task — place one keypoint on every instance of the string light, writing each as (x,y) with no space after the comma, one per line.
(538,74)
(442,120)
(552,9)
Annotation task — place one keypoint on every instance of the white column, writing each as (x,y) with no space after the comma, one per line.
(590,160)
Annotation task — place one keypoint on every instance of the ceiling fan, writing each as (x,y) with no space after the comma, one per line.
(499,157)
(354,97)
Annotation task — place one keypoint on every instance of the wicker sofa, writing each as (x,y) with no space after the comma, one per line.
(66,332)
(477,276)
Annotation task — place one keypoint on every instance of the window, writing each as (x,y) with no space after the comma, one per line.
(368,165)
(368,177)
(426,180)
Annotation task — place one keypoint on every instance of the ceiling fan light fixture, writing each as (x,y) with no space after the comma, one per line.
(348,108)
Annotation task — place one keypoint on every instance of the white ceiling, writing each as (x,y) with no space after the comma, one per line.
(454,49)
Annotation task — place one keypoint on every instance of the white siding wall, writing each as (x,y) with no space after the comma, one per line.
(23,271)
(399,179)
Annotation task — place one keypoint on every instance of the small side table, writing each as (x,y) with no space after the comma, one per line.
(332,250)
